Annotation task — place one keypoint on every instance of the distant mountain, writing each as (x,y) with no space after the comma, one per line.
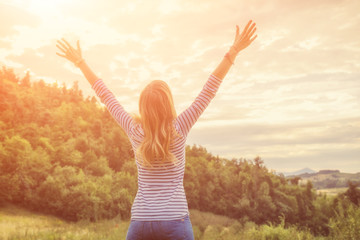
(299,172)
(328,179)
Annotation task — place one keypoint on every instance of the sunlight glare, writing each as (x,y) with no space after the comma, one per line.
(44,8)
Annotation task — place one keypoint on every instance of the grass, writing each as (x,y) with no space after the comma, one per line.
(332,191)
(17,224)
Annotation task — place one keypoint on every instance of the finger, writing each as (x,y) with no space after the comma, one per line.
(236,34)
(243,33)
(63,45)
(78,45)
(247,26)
(252,39)
(251,33)
(61,48)
(79,48)
(250,29)
(61,55)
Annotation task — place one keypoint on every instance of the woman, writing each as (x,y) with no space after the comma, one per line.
(158,137)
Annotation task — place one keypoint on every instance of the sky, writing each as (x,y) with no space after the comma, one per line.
(292,97)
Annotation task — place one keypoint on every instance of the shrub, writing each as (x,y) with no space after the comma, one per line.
(346,224)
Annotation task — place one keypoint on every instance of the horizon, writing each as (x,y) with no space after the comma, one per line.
(292,97)
(317,171)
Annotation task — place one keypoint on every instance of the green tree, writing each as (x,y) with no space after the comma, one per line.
(353,193)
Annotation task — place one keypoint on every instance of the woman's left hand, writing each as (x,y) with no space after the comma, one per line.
(246,37)
(70,53)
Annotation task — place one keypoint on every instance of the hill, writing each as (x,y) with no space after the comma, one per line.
(301,171)
(329,179)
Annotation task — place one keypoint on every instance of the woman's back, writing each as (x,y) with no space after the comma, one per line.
(161,194)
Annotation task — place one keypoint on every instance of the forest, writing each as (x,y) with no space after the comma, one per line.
(62,154)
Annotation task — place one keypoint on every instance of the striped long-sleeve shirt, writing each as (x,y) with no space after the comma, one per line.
(160,194)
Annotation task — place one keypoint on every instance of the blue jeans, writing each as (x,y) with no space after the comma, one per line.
(161,230)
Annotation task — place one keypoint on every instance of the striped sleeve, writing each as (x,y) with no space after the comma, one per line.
(122,117)
(188,118)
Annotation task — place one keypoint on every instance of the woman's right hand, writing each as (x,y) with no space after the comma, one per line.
(70,53)
(246,37)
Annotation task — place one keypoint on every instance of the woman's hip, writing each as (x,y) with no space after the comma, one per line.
(180,229)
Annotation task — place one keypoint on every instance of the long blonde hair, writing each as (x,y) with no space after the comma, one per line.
(157,112)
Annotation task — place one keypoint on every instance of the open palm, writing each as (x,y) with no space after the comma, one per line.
(246,37)
(68,52)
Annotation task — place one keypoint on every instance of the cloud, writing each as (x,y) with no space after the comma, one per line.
(11,16)
(291,97)
(285,145)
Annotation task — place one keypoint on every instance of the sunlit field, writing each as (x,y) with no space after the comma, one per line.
(17,223)
(331,191)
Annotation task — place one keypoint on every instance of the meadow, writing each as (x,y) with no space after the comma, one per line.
(17,223)
(331,191)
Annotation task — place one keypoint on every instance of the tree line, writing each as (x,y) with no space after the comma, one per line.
(63,154)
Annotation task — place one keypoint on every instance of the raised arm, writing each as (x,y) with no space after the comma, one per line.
(188,118)
(122,117)
(241,42)
(75,56)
